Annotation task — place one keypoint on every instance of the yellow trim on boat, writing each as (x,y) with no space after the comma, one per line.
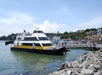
(26,47)
(42,47)
(30,47)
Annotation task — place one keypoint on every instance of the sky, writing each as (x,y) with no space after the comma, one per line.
(49,15)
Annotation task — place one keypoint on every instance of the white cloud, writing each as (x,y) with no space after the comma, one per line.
(46,26)
(55,27)
(93,23)
(15,23)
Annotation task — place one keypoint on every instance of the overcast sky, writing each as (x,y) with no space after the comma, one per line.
(49,15)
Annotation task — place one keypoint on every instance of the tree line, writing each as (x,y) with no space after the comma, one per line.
(78,35)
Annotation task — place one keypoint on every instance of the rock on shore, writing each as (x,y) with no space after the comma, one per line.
(88,64)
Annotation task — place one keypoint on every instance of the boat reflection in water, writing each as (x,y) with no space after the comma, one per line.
(36,64)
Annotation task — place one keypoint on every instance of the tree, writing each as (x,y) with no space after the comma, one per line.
(65,35)
(3,38)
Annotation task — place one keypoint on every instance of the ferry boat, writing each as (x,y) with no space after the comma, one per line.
(36,42)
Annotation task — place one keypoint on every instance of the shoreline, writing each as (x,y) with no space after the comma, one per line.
(88,64)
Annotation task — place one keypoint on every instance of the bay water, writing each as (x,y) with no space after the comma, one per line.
(16,62)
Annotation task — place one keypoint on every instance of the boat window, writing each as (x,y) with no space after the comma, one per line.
(40,31)
(43,38)
(30,39)
(37,44)
(47,44)
(27,44)
(37,31)
(18,38)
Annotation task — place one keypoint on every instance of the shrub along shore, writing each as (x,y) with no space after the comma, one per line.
(87,64)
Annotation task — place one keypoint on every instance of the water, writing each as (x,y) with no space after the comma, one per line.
(16,62)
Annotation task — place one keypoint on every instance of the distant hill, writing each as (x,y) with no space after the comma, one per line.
(13,36)
(3,38)
(9,37)
(78,35)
